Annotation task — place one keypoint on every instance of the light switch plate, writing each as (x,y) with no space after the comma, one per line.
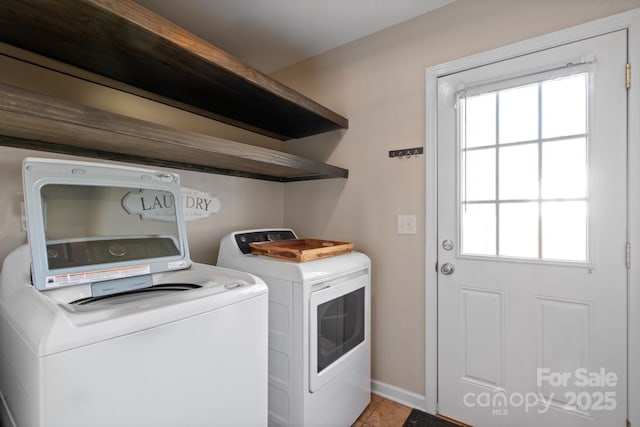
(406,224)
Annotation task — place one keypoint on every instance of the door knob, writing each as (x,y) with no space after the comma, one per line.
(447,269)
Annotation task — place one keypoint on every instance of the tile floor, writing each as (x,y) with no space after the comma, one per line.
(383,412)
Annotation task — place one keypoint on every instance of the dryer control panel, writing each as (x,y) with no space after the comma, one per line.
(243,239)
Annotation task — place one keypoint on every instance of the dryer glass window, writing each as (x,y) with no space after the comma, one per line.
(340,327)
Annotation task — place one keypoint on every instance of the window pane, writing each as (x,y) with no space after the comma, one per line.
(479,229)
(480,120)
(518,120)
(564,106)
(478,177)
(539,159)
(519,229)
(564,169)
(519,172)
(564,231)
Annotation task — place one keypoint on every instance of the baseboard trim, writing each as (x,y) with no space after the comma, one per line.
(399,395)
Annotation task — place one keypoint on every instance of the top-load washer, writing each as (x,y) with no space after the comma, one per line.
(104,319)
(319,331)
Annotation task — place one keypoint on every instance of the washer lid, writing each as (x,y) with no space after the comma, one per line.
(91,222)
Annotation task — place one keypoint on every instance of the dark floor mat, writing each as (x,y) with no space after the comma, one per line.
(422,419)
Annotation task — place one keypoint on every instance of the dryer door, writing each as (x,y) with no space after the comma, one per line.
(337,326)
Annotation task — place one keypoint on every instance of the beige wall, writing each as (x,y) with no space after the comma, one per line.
(378,83)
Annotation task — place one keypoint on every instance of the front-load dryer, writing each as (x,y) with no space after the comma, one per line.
(319,331)
(104,320)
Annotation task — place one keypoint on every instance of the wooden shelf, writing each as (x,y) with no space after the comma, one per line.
(144,54)
(34,121)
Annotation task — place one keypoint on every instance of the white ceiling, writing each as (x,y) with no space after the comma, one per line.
(272,34)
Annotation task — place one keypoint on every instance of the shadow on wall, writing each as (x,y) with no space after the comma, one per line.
(310,207)
(12,234)
(317,147)
(11,228)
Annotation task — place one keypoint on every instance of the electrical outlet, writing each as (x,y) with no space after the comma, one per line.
(406,224)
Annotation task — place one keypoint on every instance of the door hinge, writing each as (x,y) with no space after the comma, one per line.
(627,73)
(628,255)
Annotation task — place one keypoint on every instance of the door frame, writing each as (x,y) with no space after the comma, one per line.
(627,20)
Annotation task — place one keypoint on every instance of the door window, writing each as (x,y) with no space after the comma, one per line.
(523,156)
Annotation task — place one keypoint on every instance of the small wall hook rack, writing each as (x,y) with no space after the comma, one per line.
(406,152)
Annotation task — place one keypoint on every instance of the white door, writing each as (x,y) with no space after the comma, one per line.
(532,232)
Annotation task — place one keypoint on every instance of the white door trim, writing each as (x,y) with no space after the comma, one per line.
(627,20)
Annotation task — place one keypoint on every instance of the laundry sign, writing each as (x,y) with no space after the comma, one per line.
(159,205)
(198,204)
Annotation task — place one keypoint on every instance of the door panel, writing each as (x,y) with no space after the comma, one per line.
(558,319)
(532,192)
(482,336)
